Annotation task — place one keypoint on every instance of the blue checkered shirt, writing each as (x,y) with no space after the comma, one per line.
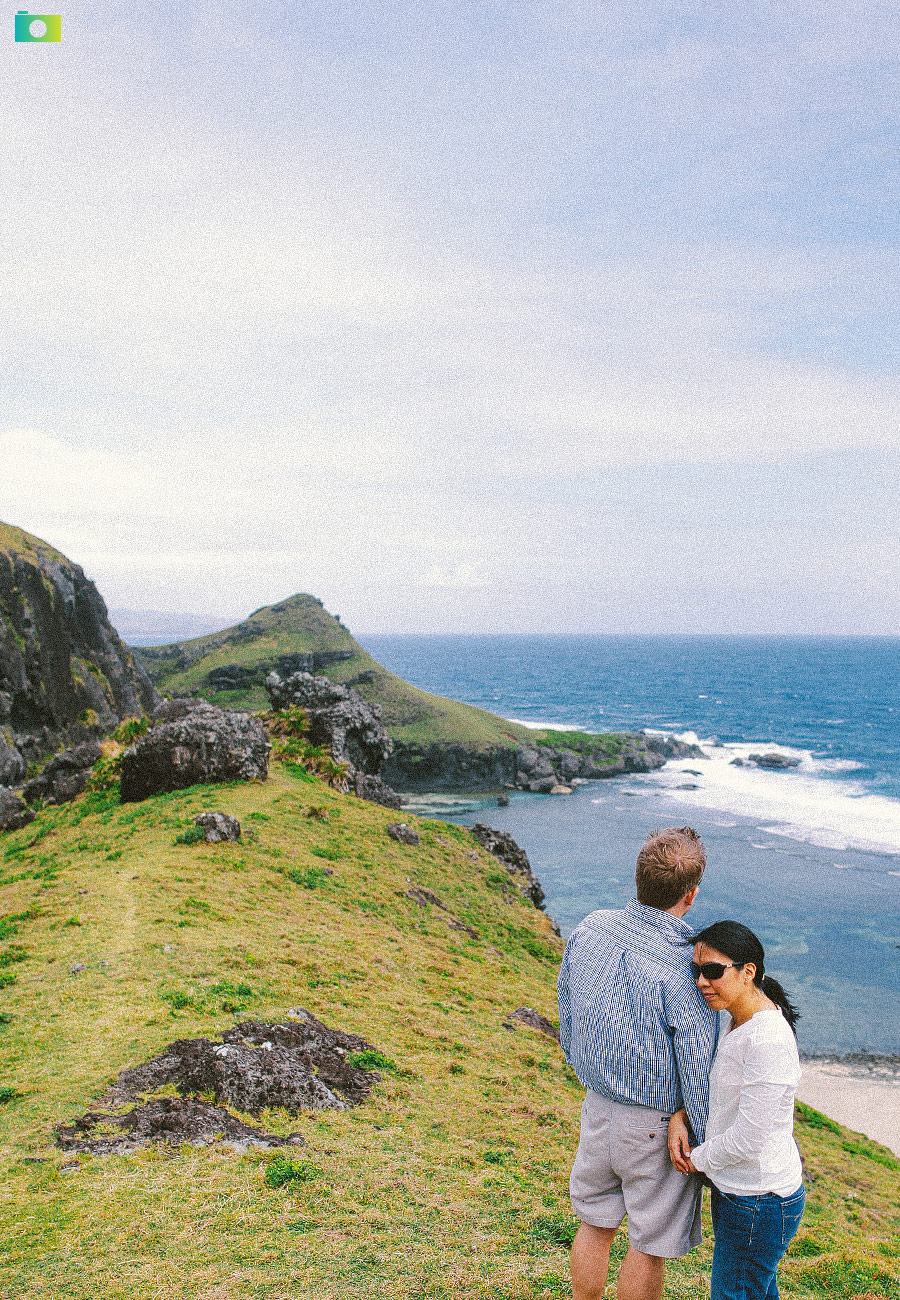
(632,1023)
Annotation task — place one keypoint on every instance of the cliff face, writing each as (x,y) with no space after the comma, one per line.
(65,676)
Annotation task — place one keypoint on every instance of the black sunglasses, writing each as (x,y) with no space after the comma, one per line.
(713,970)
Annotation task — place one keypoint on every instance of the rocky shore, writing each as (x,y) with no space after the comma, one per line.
(538,768)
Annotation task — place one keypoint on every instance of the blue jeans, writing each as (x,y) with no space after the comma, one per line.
(752,1233)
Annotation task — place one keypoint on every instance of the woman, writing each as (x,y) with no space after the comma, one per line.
(749,1154)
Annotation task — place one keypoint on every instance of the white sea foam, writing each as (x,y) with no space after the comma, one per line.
(546,726)
(800,803)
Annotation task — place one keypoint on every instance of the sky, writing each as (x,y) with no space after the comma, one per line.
(489,317)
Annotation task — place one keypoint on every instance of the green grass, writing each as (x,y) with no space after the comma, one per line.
(301,624)
(448,1183)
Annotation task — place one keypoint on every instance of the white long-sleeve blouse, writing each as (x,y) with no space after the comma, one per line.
(749,1146)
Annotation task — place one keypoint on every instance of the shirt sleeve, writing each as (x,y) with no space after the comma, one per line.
(695,1030)
(766,1103)
(565,1004)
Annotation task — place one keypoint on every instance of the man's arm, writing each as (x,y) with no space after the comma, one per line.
(565,1004)
(695,1032)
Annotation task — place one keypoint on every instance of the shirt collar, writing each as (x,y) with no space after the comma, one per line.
(676,927)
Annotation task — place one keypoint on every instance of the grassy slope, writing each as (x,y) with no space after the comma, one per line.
(16,541)
(450,1182)
(301,624)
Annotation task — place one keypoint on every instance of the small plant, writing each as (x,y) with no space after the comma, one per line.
(130,730)
(192,835)
(233,995)
(282,1171)
(370,1059)
(5,1018)
(496,1157)
(15,952)
(106,774)
(177,999)
(72,921)
(309,877)
(8,1094)
(555,1229)
(330,852)
(456,1068)
(6,979)
(318,812)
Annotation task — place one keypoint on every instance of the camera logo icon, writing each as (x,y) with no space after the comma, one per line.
(38,27)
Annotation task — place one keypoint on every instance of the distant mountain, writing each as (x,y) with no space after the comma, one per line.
(230,668)
(65,675)
(159,626)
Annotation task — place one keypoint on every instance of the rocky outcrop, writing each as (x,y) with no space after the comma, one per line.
(65,675)
(775,762)
(340,720)
(14,812)
(515,859)
(218,827)
(191,743)
(442,766)
(65,776)
(235,677)
(301,1064)
(537,768)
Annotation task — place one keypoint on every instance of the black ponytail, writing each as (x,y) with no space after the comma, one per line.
(775,993)
(740,944)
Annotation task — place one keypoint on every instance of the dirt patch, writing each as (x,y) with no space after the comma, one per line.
(167,1119)
(298,1065)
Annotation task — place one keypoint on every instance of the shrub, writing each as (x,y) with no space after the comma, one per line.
(130,729)
(370,1059)
(309,877)
(8,1094)
(106,774)
(192,835)
(281,1171)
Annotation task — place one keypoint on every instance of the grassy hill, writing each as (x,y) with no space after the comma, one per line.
(15,541)
(301,624)
(449,1183)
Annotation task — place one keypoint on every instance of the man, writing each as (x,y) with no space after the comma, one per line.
(640,1038)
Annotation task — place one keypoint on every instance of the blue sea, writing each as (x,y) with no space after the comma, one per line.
(809,858)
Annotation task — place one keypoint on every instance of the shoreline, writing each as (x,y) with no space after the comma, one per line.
(860,1091)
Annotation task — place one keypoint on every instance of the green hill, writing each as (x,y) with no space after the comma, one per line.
(449,1183)
(301,625)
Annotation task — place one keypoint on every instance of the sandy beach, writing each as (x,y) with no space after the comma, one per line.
(862,1093)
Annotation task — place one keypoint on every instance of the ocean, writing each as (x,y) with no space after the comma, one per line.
(809,858)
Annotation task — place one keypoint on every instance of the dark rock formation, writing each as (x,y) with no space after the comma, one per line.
(536,768)
(514,858)
(402,833)
(775,762)
(350,729)
(65,776)
(230,677)
(375,790)
(340,719)
(299,1065)
(202,745)
(14,812)
(441,766)
(534,1020)
(219,827)
(166,1119)
(65,675)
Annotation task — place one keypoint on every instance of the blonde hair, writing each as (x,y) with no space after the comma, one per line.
(669,865)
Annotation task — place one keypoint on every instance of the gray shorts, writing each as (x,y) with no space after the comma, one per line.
(622,1167)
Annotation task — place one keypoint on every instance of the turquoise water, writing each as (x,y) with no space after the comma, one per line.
(809,858)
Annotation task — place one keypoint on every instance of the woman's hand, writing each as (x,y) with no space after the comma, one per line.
(680,1143)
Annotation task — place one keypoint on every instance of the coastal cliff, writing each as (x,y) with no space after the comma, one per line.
(65,676)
